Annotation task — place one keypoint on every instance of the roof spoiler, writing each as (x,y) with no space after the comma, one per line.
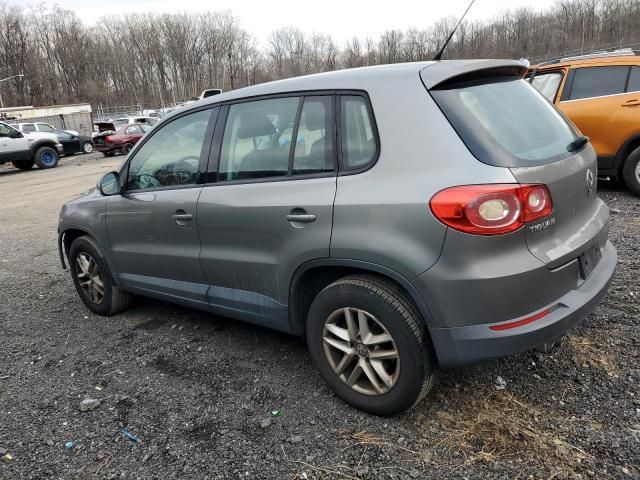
(447,73)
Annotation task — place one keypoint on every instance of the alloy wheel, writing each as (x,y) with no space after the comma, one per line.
(361,351)
(87,147)
(89,277)
(638,172)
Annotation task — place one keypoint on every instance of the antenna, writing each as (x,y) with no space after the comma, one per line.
(439,54)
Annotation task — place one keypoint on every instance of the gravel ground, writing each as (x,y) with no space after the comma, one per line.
(197,391)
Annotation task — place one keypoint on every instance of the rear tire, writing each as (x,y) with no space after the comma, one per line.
(93,281)
(388,313)
(22,164)
(46,157)
(126,148)
(631,171)
(87,147)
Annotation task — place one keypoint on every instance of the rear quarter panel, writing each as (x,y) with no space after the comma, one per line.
(382,216)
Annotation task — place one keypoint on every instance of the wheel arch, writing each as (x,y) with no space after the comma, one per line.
(313,276)
(42,143)
(624,151)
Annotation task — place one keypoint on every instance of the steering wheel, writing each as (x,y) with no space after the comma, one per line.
(148,181)
(183,168)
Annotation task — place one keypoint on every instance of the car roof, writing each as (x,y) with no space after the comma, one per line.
(594,61)
(432,73)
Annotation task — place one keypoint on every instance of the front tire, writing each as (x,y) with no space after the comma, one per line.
(22,164)
(46,157)
(631,171)
(92,279)
(87,147)
(370,345)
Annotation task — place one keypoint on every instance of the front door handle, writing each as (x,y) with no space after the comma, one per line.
(631,103)
(301,218)
(181,217)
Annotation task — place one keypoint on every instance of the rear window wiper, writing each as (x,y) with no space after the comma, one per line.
(578,143)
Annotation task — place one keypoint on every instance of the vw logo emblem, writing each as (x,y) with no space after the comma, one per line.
(591,181)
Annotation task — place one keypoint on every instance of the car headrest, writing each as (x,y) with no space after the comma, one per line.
(255,124)
(314,115)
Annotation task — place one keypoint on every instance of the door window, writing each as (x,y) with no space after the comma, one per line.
(314,152)
(359,143)
(598,81)
(43,127)
(134,130)
(634,80)
(4,130)
(28,128)
(171,156)
(257,139)
(547,84)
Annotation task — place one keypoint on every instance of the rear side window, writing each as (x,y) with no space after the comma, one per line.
(505,122)
(359,142)
(315,136)
(257,139)
(634,80)
(591,82)
(547,84)
(29,128)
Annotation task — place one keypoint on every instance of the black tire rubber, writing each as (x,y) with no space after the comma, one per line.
(629,171)
(393,308)
(37,157)
(84,146)
(126,148)
(115,300)
(23,164)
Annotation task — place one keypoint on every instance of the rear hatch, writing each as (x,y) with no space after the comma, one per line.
(506,123)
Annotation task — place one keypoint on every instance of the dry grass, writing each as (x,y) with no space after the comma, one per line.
(586,352)
(500,427)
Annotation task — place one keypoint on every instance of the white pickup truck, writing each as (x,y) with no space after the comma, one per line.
(24,150)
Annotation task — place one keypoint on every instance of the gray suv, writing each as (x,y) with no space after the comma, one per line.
(402,218)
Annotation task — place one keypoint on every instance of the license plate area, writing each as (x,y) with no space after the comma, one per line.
(588,261)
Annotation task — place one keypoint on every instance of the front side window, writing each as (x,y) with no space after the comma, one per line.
(359,145)
(28,128)
(171,156)
(4,130)
(43,127)
(505,122)
(547,84)
(592,82)
(257,139)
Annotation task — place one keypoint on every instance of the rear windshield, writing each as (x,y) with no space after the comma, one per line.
(506,122)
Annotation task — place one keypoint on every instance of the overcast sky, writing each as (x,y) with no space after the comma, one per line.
(340,18)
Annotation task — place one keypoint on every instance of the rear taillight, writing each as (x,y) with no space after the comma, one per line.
(492,209)
(107,139)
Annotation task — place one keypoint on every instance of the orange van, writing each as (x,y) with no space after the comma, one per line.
(600,93)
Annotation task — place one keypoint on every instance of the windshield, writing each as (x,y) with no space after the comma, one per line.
(547,84)
(506,122)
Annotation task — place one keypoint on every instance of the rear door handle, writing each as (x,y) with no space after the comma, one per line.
(631,103)
(301,217)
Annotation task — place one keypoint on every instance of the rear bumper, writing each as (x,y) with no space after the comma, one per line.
(461,345)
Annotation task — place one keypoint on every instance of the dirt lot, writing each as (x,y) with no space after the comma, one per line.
(198,390)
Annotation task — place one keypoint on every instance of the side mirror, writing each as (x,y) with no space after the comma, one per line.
(109,184)
(15,134)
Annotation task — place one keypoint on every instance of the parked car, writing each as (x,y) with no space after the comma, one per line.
(39,127)
(74,143)
(119,122)
(419,220)
(121,141)
(24,150)
(101,127)
(600,94)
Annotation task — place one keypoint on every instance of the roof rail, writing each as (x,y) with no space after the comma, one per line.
(621,52)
